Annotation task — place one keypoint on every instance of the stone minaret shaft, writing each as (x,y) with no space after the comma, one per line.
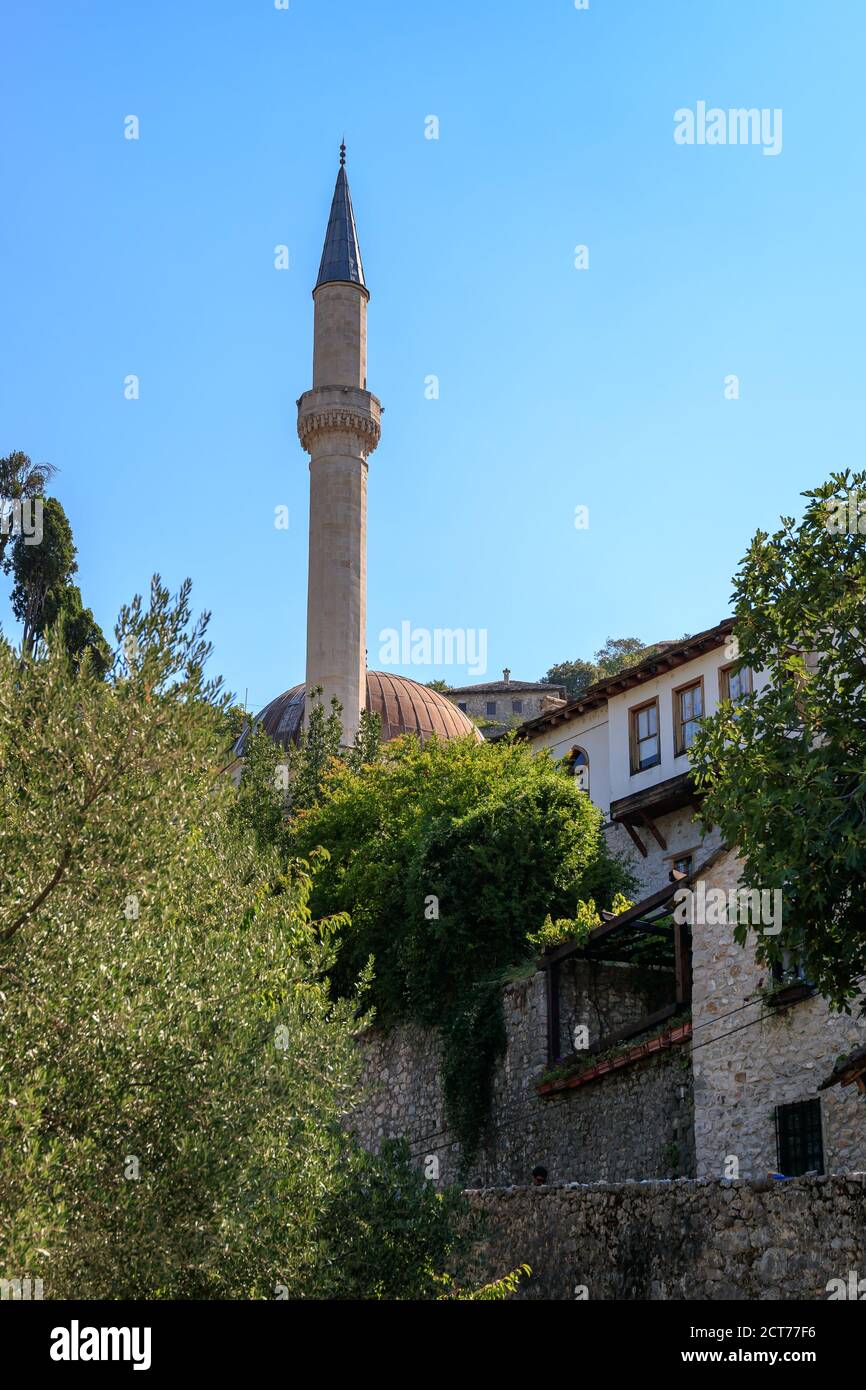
(338,426)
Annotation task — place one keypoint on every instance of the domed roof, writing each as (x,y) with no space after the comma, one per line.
(404,707)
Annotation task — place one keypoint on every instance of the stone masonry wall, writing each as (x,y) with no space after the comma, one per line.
(749,1058)
(682,1240)
(636,1122)
(681,833)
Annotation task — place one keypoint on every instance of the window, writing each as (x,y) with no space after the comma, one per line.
(517,706)
(682,864)
(688,709)
(645,744)
(578,766)
(789,970)
(461,704)
(799,1139)
(491,709)
(733,685)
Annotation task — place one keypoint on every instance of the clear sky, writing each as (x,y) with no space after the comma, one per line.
(559,387)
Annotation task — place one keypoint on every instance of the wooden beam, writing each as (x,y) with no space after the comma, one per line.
(679,962)
(633,1029)
(552,1011)
(632,914)
(653,830)
(637,840)
(672,1038)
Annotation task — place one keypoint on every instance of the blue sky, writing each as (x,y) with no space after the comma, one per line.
(559,388)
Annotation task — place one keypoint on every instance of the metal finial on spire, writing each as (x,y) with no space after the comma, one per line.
(341,257)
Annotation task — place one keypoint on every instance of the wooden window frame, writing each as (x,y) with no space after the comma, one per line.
(633,742)
(725,679)
(680,749)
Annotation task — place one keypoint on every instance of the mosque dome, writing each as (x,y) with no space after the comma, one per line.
(404,707)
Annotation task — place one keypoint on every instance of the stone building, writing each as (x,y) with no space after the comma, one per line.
(694,1061)
(502,705)
(761,1045)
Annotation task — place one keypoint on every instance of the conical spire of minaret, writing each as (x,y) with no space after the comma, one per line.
(341,258)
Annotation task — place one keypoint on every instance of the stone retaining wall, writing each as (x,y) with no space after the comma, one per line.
(685,1239)
(633,1123)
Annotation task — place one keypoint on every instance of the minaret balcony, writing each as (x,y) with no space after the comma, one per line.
(340,410)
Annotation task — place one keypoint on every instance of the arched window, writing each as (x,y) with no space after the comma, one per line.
(578,766)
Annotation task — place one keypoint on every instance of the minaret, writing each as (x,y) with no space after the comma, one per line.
(338,426)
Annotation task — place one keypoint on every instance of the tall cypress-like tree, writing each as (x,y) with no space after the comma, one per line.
(20,480)
(45,600)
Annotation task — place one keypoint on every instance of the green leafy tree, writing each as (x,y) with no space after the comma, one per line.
(173,1068)
(368,741)
(275,782)
(575,675)
(389,1234)
(784,769)
(616,654)
(76,630)
(620,652)
(444,857)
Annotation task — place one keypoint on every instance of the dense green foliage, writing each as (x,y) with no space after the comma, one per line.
(443,859)
(784,770)
(173,1066)
(386,1232)
(577,928)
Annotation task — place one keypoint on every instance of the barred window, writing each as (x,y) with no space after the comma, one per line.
(800,1141)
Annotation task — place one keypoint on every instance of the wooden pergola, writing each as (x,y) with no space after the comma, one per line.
(646,934)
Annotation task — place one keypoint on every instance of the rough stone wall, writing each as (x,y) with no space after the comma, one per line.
(681,833)
(635,1122)
(604,998)
(678,1113)
(534,702)
(749,1058)
(682,1240)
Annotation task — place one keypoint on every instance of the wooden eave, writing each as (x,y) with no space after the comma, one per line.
(848,1072)
(602,691)
(659,800)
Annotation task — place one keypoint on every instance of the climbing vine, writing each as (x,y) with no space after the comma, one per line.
(445,860)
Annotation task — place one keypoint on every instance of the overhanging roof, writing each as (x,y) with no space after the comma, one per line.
(595,696)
